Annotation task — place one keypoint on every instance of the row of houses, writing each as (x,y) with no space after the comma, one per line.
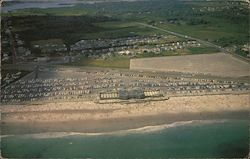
(133,50)
(109,43)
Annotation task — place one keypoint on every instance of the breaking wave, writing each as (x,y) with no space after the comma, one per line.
(142,130)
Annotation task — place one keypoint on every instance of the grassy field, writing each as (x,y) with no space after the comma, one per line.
(120,29)
(49,42)
(225,27)
(210,33)
(113,62)
(202,50)
(215,28)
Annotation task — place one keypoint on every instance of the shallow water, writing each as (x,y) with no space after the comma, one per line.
(225,138)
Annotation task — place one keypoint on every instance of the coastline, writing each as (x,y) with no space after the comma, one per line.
(89,117)
(213,138)
(140,130)
(107,125)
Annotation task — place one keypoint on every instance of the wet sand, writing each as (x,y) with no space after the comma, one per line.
(107,125)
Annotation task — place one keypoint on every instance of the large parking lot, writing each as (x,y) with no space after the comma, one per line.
(68,83)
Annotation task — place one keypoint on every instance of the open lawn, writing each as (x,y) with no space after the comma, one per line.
(120,29)
(202,50)
(206,32)
(46,42)
(113,62)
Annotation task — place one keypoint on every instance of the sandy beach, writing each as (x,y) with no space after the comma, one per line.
(91,117)
(77,111)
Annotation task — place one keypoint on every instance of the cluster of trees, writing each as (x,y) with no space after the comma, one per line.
(230,41)
(68,28)
(73,28)
(239,51)
(237,42)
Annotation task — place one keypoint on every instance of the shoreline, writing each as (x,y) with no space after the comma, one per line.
(137,130)
(116,124)
(77,111)
(90,117)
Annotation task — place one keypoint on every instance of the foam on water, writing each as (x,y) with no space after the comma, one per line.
(146,129)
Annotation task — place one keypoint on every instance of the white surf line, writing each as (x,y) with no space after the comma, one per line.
(142,130)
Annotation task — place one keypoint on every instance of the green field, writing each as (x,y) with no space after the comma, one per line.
(226,26)
(183,17)
(202,50)
(45,42)
(214,33)
(113,62)
(120,29)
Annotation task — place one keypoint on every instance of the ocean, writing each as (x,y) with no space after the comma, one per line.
(190,139)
